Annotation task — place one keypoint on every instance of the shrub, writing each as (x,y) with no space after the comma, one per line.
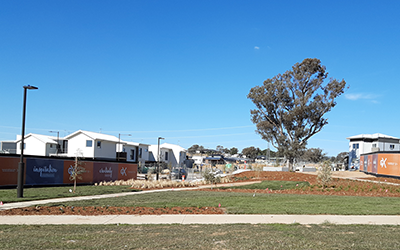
(210,177)
(325,174)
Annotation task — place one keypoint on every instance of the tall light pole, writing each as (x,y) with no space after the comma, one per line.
(58,140)
(21,166)
(119,144)
(158,156)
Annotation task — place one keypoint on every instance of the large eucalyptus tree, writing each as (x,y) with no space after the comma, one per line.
(290,107)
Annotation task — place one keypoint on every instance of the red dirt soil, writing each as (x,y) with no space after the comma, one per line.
(106,210)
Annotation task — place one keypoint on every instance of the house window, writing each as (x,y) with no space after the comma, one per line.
(391,146)
(355,146)
(51,145)
(374,145)
(99,144)
(89,143)
(24,145)
(140,152)
(166,156)
(132,154)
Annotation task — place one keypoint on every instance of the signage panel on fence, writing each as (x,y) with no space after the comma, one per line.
(8,171)
(105,171)
(388,164)
(369,164)
(87,176)
(127,171)
(44,171)
(362,168)
(374,163)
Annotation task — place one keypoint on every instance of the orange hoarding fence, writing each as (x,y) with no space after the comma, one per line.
(9,170)
(127,171)
(86,176)
(362,163)
(388,164)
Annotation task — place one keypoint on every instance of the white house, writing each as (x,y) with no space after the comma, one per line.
(165,154)
(135,152)
(36,144)
(92,145)
(367,143)
(198,160)
(169,153)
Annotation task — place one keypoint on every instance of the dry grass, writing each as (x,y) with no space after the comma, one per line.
(151,184)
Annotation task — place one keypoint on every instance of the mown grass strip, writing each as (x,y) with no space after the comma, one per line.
(233,236)
(256,203)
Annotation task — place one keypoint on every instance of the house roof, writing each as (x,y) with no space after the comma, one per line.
(103,137)
(129,143)
(95,136)
(172,146)
(42,138)
(371,136)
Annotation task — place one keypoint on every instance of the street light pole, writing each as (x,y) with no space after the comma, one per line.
(158,156)
(21,165)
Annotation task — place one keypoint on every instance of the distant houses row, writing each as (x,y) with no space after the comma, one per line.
(94,145)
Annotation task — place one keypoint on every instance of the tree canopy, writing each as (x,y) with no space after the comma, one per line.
(251,152)
(194,148)
(314,155)
(290,107)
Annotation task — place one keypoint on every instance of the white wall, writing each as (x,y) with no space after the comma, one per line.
(127,149)
(198,159)
(145,153)
(385,146)
(33,146)
(79,142)
(107,150)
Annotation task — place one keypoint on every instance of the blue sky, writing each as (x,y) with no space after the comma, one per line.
(182,69)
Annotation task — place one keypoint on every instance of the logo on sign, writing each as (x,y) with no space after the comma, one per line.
(106,171)
(123,171)
(71,170)
(383,162)
(45,172)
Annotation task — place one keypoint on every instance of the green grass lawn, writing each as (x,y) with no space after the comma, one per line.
(10,195)
(246,203)
(233,236)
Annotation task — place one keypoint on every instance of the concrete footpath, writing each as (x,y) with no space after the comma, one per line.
(199,219)
(180,219)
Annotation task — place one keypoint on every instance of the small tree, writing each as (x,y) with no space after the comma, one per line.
(210,177)
(325,174)
(75,171)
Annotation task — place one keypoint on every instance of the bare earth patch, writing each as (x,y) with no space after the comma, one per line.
(107,210)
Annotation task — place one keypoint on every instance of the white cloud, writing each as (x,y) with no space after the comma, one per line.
(256,47)
(355,97)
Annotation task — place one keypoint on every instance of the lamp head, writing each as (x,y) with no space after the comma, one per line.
(30,87)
